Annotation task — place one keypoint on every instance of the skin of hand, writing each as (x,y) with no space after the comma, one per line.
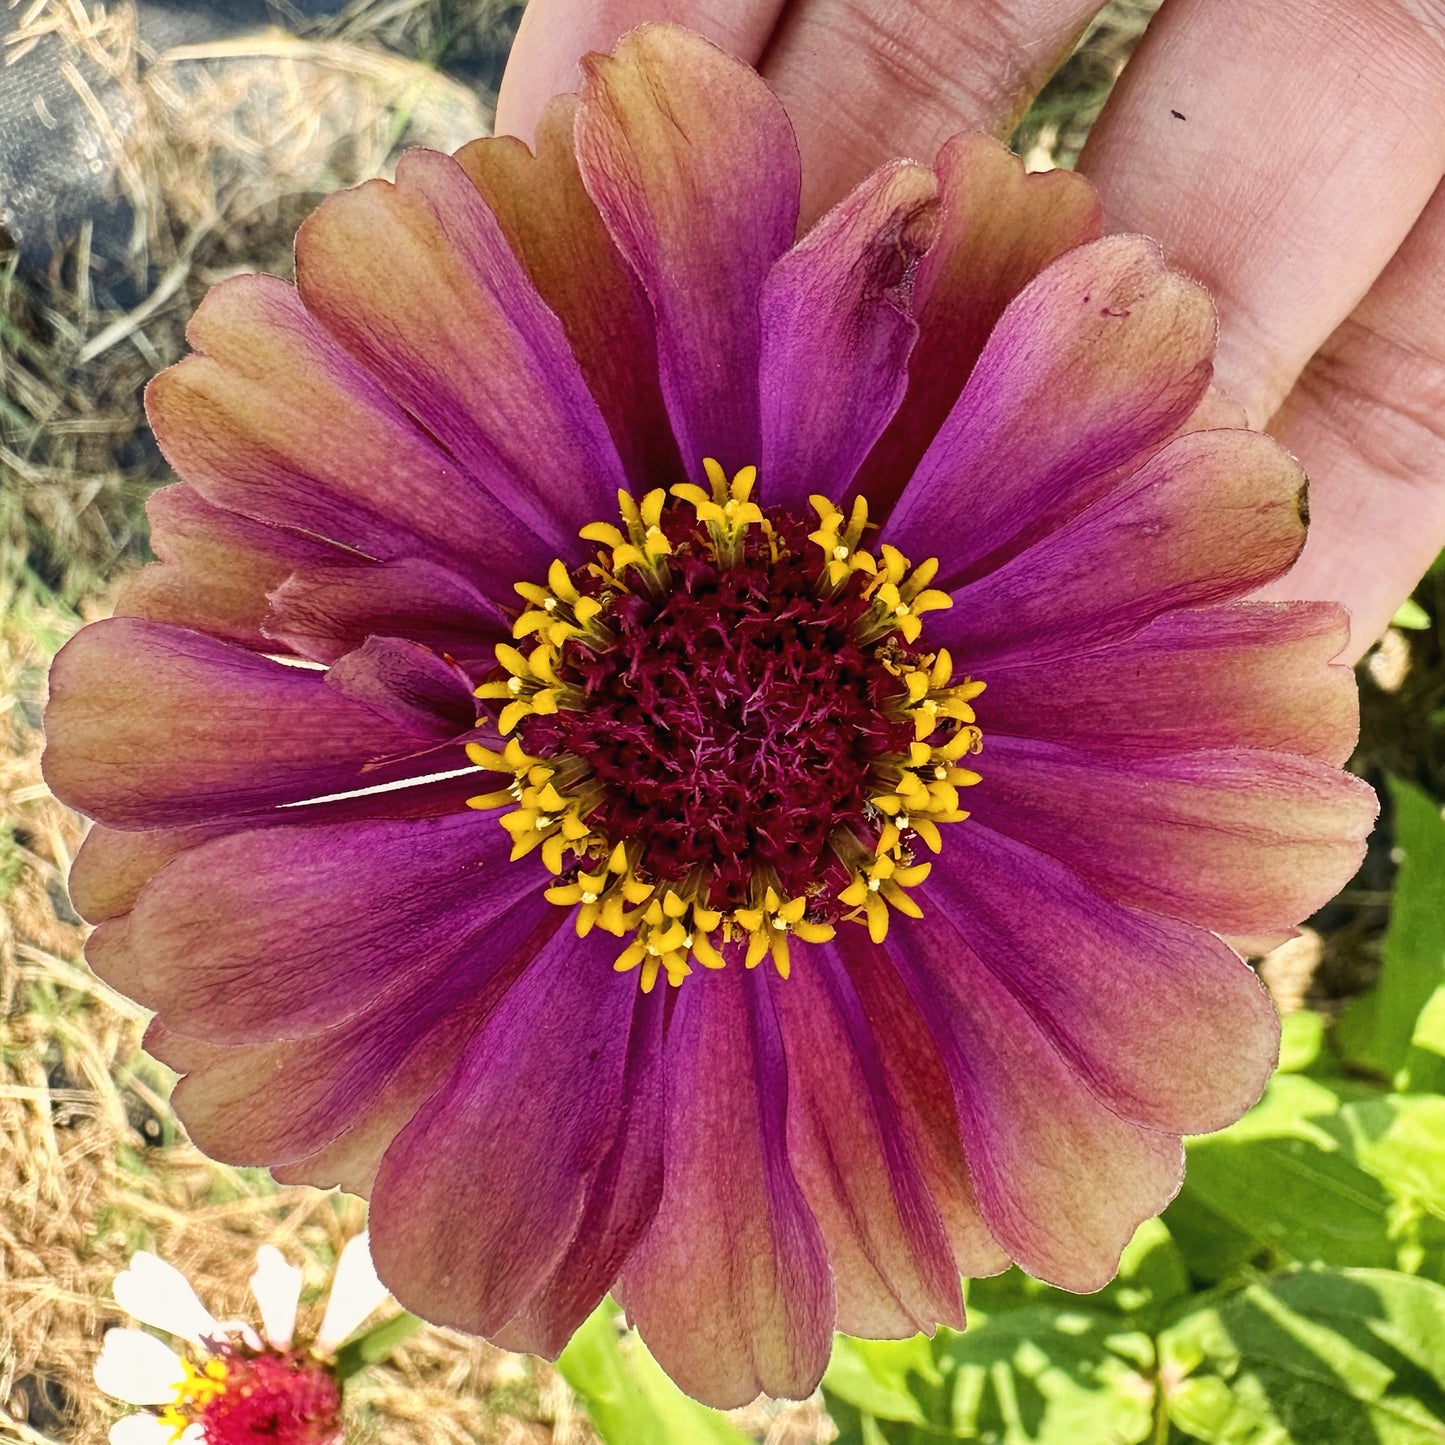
(1288,155)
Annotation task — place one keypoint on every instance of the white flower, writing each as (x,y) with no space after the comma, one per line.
(180,1387)
(355,1293)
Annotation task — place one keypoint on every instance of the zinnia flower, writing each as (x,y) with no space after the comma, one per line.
(227,1384)
(532,784)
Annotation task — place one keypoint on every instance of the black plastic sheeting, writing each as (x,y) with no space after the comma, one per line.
(55,170)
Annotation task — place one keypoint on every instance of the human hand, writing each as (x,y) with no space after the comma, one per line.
(1289,156)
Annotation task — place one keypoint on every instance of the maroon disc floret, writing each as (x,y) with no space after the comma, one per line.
(733,724)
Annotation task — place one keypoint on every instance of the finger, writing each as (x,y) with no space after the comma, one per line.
(866,81)
(555,34)
(1281,153)
(1368,421)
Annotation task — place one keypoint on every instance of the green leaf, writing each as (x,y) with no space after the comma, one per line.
(1327,1357)
(1302,1037)
(375,1345)
(1318,1174)
(1411,616)
(629,1400)
(1283,1180)
(1375,1032)
(1424,1067)
(888,1379)
(1051,1376)
(1040,1375)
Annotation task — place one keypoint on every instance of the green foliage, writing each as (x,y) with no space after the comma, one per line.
(375,1344)
(628,1398)
(1352,1355)
(1411,616)
(1377,1031)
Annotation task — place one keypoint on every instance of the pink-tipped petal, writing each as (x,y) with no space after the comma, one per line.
(999,227)
(730,1288)
(1062,1181)
(1249,674)
(286,932)
(1234,840)
(114,864)
(1210,517)
(622,1197)
(324,610)
(326,1107)
(692,164)
(923,1095)
(838,328)
(549,219)
(511,1143)
(272,419)
(1160,1021)
(1099,359)
(852,1152)
(408,685)
(215,567)
(153,726)
(418,283)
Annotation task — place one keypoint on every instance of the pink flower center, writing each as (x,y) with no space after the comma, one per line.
(281,1399)
(727,733)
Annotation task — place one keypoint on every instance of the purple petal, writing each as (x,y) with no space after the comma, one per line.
(1157,1018)
(409,685)
(283,932)
(1096,361)
(998,229)
(692,164)
(417,282)
(325,1109)
(923,1095)
(853,1152)
(480,1198)
(1062,1181)
(837,332)
(114,864)
(541,204)
(216,568)
(273,420)
(1251,674)
(730,1287)
(1236,841)
(154,726)
(1210,517)
(621,1199)
(324,610)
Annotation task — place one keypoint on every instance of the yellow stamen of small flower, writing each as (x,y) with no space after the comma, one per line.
(672,925)
(194,1392)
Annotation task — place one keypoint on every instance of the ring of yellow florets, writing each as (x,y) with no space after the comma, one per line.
(558,799)
(241,1393)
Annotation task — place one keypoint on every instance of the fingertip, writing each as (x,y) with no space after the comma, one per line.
(555,34)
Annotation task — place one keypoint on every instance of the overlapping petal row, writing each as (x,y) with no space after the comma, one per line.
(358,986)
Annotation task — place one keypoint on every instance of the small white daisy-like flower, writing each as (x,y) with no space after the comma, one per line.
(227,1383)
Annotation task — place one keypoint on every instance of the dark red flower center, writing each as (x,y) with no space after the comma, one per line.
(735,721)
(726,733)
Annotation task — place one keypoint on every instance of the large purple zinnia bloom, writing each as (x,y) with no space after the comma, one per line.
(731,729)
